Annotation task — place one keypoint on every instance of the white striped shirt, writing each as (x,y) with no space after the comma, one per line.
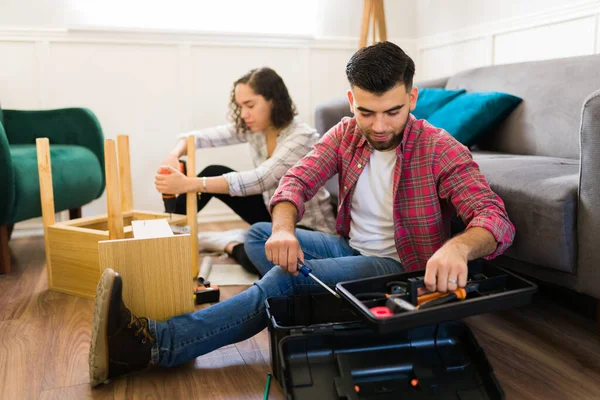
(293,143)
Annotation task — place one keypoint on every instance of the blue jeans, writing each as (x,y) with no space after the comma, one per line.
(187,336)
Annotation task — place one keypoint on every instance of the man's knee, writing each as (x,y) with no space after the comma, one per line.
(276,282)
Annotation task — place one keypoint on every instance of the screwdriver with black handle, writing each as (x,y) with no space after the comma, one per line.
(307,272)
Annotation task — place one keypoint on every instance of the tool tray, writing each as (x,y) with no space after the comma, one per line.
(496,289)
(321,350)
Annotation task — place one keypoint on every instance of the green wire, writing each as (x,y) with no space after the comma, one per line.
(267,387)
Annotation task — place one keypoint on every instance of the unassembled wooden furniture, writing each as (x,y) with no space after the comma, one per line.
(72,246)
(375,9)
(156,269)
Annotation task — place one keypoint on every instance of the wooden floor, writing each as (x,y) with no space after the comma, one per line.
(542,351)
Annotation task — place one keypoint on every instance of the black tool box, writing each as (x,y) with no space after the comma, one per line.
(326,348)
(497,289)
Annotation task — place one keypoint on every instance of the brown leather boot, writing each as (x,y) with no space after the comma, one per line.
(121,342)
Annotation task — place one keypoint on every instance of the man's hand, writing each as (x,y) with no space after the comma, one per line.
(283,249)
(447,269)
(172,183)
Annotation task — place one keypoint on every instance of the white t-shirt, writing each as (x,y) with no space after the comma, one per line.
(372,224)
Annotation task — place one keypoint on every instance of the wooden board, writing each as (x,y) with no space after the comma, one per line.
(151,228)
(157,274)
(74,258)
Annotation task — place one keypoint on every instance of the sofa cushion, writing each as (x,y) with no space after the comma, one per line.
(432,99)
(76,179)
(547,122)
(1,116)
(540,194)
(470,116)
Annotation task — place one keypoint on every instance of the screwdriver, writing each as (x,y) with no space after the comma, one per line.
(304,270)
(459,294)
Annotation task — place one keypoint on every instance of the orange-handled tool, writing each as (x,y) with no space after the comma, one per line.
(170,200)
(437,298)
(430,296)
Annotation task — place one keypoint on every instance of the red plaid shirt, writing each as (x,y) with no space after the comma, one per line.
(434,176)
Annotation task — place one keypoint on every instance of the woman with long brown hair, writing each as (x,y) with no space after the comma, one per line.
(262,114)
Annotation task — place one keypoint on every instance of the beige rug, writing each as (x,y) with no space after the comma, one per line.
(225,274)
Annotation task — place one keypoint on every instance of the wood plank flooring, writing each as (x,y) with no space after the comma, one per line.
(541,351)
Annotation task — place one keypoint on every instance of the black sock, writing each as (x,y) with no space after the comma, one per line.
(238,253)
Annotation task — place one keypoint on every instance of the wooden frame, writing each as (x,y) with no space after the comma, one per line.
(72,256)
(373,9)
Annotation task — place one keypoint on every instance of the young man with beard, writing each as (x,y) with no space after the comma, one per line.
(400,182)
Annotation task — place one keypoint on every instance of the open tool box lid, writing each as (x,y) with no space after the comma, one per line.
(313,359)
(496,289)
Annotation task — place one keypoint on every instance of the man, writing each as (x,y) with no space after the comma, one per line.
(400,182)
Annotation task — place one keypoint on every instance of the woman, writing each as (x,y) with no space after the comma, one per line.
(262,114)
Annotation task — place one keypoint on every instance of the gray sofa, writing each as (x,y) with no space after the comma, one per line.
(543,161)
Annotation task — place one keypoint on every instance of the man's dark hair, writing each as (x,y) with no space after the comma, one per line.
(380,67)
(265,82)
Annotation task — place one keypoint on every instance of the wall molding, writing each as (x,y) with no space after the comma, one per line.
(568,12)
(83,34)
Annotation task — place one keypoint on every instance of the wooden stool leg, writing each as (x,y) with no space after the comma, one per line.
(46,195)
(113,192)
(192,204)
(125,173)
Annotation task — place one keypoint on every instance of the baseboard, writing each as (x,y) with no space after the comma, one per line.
(27,231)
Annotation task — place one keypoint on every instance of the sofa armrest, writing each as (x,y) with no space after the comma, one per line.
(588,215)
(76,126)
(7,178)
(433,83)
(328,114)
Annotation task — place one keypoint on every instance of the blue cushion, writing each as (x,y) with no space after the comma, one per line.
(432,99)
(472,115)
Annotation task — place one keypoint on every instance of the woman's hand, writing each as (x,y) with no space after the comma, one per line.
(173,182)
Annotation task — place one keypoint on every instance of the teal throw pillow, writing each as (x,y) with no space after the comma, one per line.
(472,115)
(432,99)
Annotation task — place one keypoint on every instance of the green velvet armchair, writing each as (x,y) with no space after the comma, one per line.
(77,156)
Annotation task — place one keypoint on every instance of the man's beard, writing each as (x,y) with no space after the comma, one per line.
(391,143)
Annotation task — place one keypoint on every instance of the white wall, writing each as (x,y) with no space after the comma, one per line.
(323,18)
(462,34)
(154,83)
(442,16)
